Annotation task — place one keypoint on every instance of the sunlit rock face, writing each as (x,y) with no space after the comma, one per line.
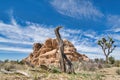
(48,53)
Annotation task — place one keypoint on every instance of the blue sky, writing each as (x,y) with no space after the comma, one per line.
(24,22)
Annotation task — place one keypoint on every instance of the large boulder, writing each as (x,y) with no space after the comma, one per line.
(48,53)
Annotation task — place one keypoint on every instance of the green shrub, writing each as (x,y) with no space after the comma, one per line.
(6,60)
(55,70)
(35,77)
(111,60)
(118,71)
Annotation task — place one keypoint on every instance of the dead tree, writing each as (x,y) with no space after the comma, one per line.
(63,59)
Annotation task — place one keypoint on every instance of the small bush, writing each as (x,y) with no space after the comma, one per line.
(20,62)
(35,77)
(12,66)
(107,65)
(117,63)
(92,69)
(55,70)
(111,60)
(118,71)
(6,60)
(101,60)
(9,66)
(96,60)
(100,65)
(88,66)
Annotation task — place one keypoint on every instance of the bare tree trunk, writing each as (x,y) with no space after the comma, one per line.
(63,57)
(61,49)
(107,59)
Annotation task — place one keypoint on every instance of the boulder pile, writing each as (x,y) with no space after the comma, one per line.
(48,53)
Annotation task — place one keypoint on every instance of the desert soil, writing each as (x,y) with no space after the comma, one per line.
(101,74)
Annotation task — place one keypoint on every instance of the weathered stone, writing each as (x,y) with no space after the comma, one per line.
(47,53)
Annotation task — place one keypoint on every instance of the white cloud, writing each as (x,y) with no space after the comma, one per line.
(15,34)
(16,49)
(116,36)
(116,53)
(93,56)
(27,35)
(77,8)
(91,34)
(96,52)
(89,49)
(30,33)
(113,21)
(14,41)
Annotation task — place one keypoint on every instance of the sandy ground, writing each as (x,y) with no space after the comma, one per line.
(102,74)
(110,73)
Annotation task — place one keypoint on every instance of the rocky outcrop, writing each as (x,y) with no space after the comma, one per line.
(48,53)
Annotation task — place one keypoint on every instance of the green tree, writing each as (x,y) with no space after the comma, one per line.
(107,46)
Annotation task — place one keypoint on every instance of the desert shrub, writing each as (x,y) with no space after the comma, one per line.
(107,65)
(19,62)
(55,70)
(100,65)
(5,61)
(96,60)
(87,66)
(76,65)
(8,66)
(90,66)
(35,77)
(16,62)
(98,77)
(101,60)
(117,63)
(12,65)
(111,60)
(118,71)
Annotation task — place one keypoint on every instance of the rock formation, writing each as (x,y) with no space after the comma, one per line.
(47,53)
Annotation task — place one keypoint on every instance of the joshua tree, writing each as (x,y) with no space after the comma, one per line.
(63,58)
(107,46)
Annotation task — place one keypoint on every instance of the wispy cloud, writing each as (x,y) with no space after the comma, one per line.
(77,8)
(16,49)
(84,41)
(14,41)
(113,21)
(15,34)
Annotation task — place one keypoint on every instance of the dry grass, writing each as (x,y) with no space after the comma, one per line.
(41,74)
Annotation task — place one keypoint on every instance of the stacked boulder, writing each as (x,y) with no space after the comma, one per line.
(48,53)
